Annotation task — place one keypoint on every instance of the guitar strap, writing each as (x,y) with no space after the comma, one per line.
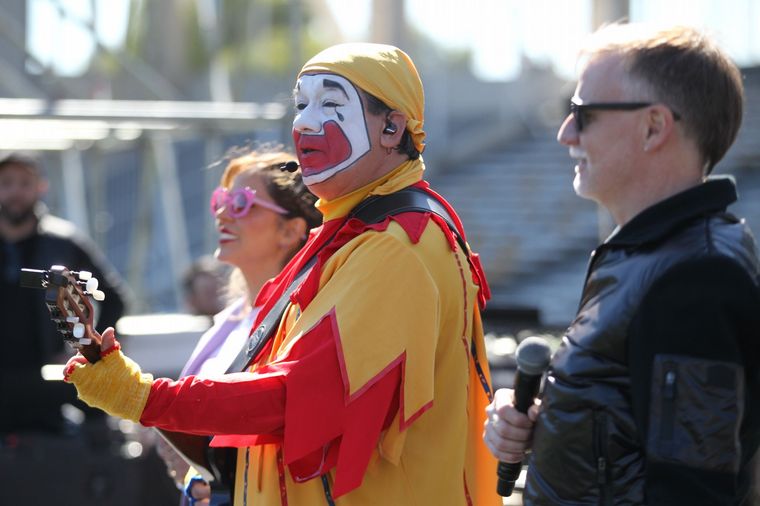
(372,210)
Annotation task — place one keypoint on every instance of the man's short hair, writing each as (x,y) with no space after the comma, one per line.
(686,70)
(21,160)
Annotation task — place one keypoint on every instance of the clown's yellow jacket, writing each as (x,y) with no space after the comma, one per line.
(373,390)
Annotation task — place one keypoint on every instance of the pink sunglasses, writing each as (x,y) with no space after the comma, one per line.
(239,202)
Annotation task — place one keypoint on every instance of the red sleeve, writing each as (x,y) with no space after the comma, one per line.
(319,426)
(241,403)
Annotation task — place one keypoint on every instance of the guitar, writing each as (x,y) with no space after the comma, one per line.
(67,297)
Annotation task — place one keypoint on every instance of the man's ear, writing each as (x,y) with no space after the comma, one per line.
(393,129)
(293,231)
(660,125)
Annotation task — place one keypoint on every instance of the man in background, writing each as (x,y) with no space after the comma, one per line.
(32,238)
(203,286)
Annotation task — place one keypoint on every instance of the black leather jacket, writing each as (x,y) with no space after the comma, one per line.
(647,400)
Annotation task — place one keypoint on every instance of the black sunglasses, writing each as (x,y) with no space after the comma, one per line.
(579,111)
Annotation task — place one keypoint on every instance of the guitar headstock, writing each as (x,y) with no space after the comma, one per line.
(67,299)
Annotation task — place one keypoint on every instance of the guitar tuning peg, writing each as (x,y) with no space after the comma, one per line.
(98,295)
(78,330)
(85,341)
(85,275)
(72,319)
(91,285)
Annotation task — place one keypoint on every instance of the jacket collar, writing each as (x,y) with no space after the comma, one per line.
(657,221)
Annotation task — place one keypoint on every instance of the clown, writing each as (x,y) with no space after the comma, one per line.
(373,387)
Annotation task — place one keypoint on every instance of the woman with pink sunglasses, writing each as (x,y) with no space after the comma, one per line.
(263,215)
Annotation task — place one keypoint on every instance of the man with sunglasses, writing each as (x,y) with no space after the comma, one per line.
(652,396)
(372,390)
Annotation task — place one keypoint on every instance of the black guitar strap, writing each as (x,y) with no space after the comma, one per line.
(269,324)
(372,210)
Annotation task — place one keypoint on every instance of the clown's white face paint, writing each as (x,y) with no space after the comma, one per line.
(329,129)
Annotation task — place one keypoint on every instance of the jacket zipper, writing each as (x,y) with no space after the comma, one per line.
(589,268)
(668,406)
(600,444)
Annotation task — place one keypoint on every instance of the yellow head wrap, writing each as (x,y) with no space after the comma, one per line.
(383,71)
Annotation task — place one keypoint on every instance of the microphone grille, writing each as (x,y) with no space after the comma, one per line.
(533,356)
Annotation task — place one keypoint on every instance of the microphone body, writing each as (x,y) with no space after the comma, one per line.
(533,355)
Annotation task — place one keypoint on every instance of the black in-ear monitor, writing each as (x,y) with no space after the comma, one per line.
(390,128)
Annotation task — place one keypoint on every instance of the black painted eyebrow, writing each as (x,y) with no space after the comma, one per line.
(327,83)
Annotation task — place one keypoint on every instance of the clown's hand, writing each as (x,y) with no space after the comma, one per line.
(114,383)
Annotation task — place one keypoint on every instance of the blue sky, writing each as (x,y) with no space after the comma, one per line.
(498,32)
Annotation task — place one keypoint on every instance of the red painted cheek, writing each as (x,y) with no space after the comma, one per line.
(317,153)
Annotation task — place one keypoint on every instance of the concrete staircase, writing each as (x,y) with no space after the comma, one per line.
(522,216)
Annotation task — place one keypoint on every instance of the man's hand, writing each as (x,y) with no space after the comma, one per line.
(508,434)
(107,341)
(114,383)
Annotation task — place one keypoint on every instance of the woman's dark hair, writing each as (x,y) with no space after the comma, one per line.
(377,107)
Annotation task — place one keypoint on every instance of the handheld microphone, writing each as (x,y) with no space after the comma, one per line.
(532,356)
